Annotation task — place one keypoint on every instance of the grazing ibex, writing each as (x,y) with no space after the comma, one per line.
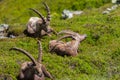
(67,48)
(38,27)
(34,70)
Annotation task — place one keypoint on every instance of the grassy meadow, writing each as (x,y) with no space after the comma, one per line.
(99,53)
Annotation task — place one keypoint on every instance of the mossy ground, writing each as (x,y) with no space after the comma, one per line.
(99,54)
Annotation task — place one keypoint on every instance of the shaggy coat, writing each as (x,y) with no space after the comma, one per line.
(33,70)
(67,48)
(38,27)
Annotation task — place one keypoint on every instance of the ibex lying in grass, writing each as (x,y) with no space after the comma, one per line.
(69,48)
(34,70)
(38,27)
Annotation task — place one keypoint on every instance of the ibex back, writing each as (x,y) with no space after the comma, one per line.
(67,48)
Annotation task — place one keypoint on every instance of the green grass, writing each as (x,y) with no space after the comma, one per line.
(98,57)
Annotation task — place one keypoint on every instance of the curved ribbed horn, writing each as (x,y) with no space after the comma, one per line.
(67,32)
(40,52)
(48,12)
(66,36)
(42,17)
(26,53)
(53,47)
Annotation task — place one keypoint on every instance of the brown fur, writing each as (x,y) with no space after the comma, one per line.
(67,48)
(38,27)
(34,70)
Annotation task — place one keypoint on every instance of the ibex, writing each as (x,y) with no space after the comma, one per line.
(67,48)
(38,27)
(34,70)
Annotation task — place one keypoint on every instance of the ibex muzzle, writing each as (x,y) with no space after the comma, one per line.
(67,48)
(34,70)
(38,27)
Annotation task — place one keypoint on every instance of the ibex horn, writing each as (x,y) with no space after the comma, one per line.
(66,36)
(40,52)
(42,17)
(26,53)
(67,32)
(48,12)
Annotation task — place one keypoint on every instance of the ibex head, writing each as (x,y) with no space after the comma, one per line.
(34,70)
(44,21)
(39,26)
(69,48)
